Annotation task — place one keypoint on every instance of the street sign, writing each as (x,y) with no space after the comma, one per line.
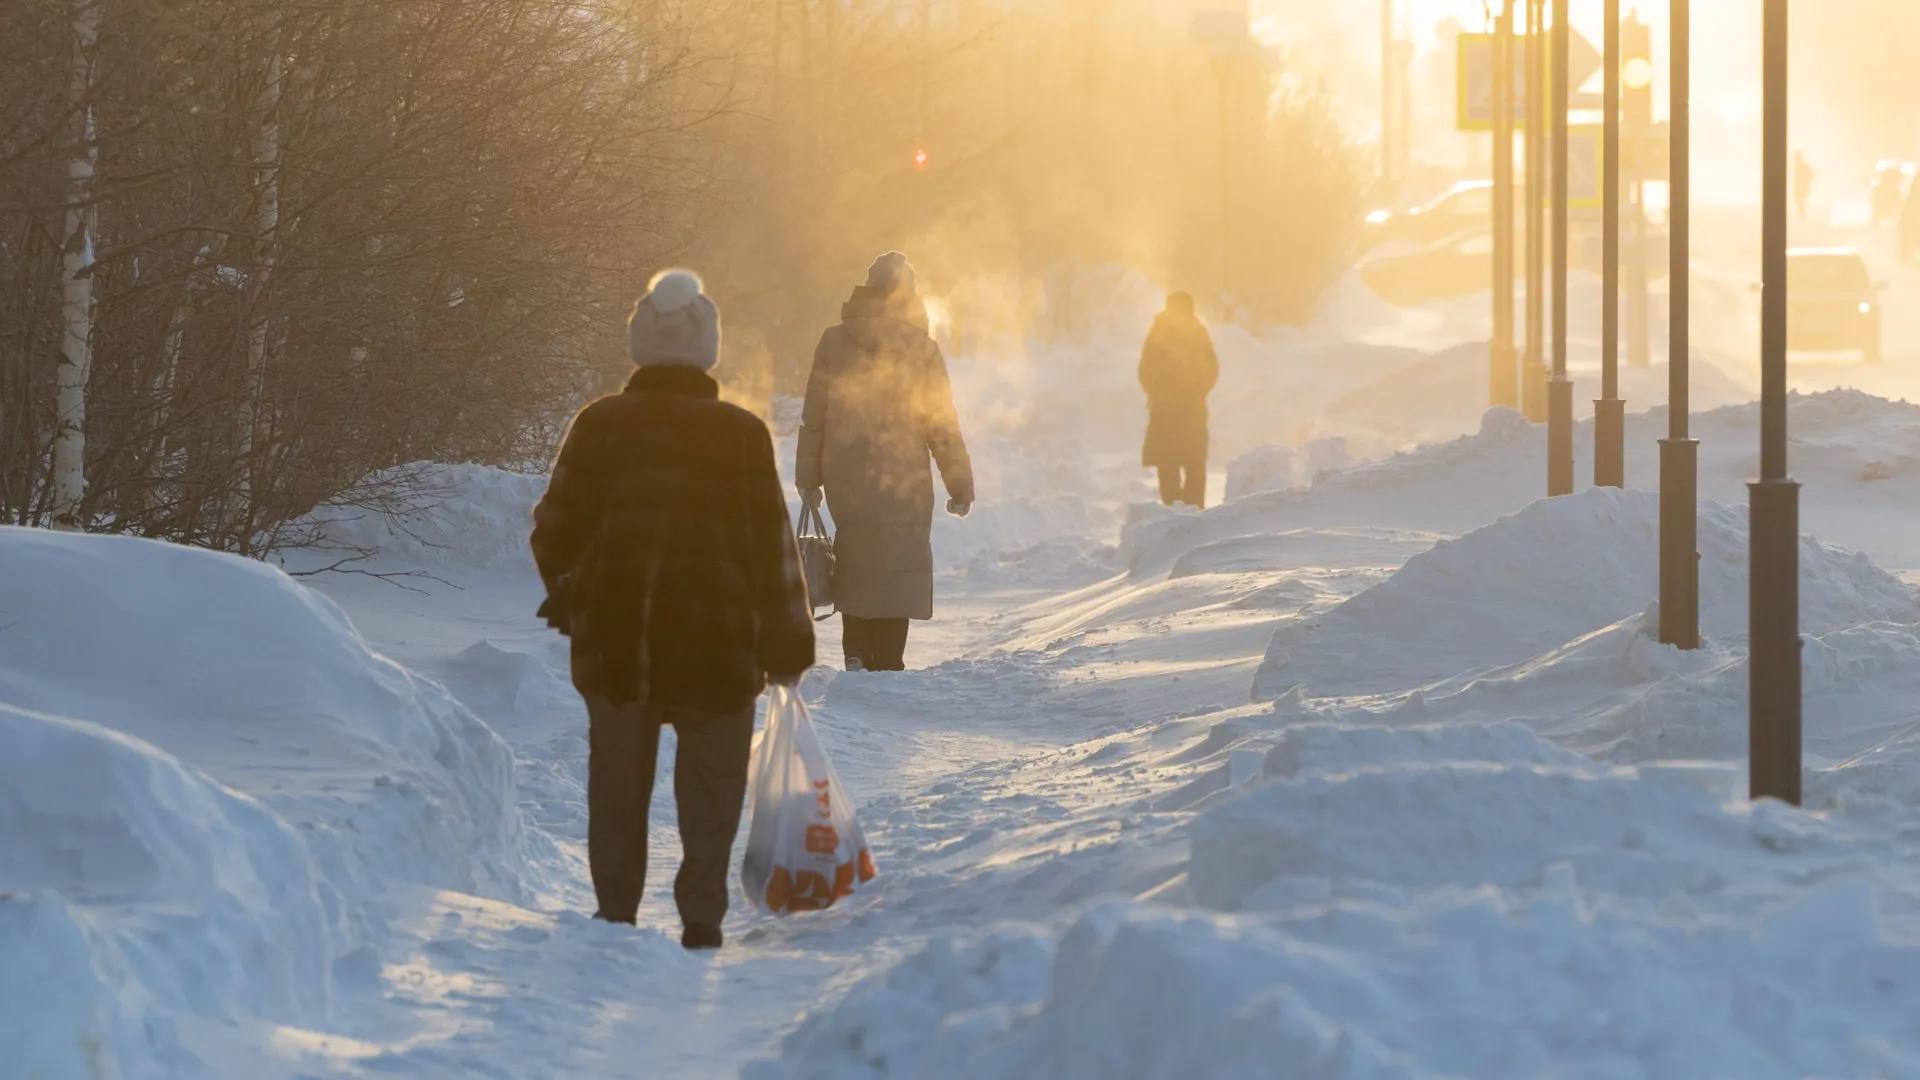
(1473,82)
(1645,154)
(1473,77)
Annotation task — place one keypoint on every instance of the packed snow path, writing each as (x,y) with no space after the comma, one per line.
(942,757)
(495,990)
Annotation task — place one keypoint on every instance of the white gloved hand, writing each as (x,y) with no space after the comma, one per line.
(959,509)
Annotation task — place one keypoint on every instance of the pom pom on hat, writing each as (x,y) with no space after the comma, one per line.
(671,290)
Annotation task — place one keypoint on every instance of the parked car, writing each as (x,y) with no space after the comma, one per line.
(1833,304)
(1462,265)
(1465,206)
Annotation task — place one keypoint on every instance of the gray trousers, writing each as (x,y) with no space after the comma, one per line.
(709,786)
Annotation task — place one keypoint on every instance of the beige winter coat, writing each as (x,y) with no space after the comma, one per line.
(879,405)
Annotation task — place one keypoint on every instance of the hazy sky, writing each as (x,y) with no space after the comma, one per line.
(1340,43)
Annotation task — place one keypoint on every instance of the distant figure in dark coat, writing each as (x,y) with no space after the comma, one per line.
(879,407)
(664,543)
(1178,370)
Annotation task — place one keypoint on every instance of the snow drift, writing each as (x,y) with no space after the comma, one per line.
(140,887)
(212,791)
(1488,983)
(1447,901)
(464,516)
(1858,456)
(1555,571)
(240,671)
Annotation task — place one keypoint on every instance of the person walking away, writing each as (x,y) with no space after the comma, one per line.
(1802,183)
(879,404)
(1178,370)
(665,546)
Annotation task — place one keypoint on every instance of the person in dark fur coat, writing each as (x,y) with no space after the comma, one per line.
(1178,370)
(669,559)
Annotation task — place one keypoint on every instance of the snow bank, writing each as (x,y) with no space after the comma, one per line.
(1443,395)
(1276,468)
(140,889)
(1858,457)
(1487,984)
(241,672)
(466,516)
(1554,572)
(1446,901)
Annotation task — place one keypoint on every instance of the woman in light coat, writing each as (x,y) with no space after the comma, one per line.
(879,407)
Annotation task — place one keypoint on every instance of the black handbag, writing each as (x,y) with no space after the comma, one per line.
(816,558)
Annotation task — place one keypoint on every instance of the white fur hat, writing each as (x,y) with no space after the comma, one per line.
(675,323)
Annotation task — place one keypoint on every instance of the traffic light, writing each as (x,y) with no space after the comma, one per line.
(920,159)
(1636,72)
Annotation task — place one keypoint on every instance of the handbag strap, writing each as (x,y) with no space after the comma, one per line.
(812,524)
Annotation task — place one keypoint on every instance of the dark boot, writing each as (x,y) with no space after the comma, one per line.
(1170,485)
(887,644)
(701,936)
(853,642)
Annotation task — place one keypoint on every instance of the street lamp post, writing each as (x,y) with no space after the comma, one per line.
(1532,387)
(1386,92)
(1503,388)
(1679,453)
(1636,107)
(1559,388)
(1773,611)
(1609,412)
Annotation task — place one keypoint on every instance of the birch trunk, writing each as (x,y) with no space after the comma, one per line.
(76,266)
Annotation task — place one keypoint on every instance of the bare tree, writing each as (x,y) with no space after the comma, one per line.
(309,245)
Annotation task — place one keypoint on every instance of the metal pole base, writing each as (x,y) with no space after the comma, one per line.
(1559,436)
(1533,391)
(1503,377)
(1679,543)
(1609,443)
(1774,642)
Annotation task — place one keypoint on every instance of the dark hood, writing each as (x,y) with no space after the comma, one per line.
(1178,322)
(900,307)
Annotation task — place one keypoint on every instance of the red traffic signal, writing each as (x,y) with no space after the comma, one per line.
(920,159)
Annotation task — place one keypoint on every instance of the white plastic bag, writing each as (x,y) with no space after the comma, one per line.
(804,847)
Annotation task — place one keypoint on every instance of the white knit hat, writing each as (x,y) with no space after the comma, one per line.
(675,323)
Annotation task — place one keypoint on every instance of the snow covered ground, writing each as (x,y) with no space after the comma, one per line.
(1374,771)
